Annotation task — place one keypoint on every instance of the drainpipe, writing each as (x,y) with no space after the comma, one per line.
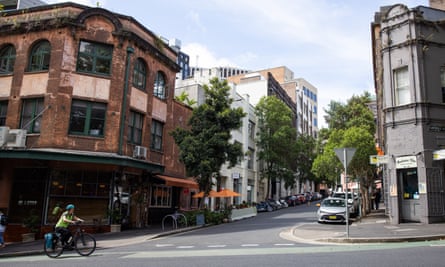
(130,51)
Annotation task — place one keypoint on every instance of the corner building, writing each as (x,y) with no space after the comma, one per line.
(86,107)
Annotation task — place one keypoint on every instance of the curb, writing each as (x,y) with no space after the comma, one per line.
(381,239)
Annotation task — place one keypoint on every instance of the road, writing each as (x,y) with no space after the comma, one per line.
(259,241)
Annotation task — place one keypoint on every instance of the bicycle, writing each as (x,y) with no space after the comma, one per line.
(83,243)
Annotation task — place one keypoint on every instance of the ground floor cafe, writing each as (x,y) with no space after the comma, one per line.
(106,189)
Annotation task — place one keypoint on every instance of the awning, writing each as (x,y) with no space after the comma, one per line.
(80,156)
(178,182)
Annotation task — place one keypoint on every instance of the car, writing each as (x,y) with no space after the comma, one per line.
(263,206)
(331,209)
(353,202)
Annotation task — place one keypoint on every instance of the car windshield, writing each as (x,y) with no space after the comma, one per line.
(333,203)
(342,195)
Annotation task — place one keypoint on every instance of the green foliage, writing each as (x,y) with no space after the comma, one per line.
(184,98)
(275,135)
(210,217)
(205,146)
(32,222)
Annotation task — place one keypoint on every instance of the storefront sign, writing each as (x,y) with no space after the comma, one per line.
(406,162)
(439,154)
(235,175)
(378,159)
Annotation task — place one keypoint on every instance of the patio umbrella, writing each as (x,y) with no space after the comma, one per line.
(227,193)
(201,194)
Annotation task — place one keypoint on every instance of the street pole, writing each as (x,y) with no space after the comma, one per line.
(346,193)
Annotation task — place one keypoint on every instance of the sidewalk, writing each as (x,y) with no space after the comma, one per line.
(373,228)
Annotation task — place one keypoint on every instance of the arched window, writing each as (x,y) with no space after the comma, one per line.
(159,87)
(7,59)
(40,55)
(139,74)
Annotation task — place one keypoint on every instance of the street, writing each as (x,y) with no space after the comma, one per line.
(259,241)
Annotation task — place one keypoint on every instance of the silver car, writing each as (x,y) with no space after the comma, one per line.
(332,209)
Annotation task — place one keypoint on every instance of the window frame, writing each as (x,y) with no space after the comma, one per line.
(88,118)
(3,112)
(402,91)
(156,138)
(140,74)
(7,59)
(33,122)
(40,56)
(93,57)
(165,200)
(135,131)
(159,89)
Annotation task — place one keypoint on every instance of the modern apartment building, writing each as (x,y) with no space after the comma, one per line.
(86,107)
(409,73)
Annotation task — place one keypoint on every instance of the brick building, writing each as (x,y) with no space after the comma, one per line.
(86,107)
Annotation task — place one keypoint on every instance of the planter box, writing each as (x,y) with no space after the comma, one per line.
(28,237)
(238,214)
(115,228)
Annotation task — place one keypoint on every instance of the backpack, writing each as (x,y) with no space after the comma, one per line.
(3,219)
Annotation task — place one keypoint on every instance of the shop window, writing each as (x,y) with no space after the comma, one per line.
(157,129)
(40,56)
(94,58)
(31,116)
(3,112)
(139,74)
(7,59)
(87,118)
(401,83)
(161,196)
(135,126)
(159,86)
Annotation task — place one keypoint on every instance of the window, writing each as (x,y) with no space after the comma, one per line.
(251,158)
(157,129)
(3,111)
(40,55)
(87,118)
(7,59)
(251,129)
(159,87)
(161,196)
(32,115)
(401,82)
(139,74)
(442,83)
(135,124)
(94,58)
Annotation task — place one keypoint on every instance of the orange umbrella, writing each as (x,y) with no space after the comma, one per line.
(227,193)
(201,194)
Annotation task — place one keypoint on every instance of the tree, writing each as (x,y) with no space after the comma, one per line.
(184,98)
(305,153)
(205,146)
(274,137)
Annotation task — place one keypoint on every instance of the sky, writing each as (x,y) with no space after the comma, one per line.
(326,42)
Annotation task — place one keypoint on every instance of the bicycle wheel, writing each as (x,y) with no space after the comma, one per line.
(85,244)
(55,249)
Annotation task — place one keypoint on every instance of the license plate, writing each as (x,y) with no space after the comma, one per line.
(332,217)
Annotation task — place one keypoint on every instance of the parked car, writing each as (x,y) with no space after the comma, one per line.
(263,206)
(353,202)
(283,203)
(331,209)
(301,198)
(273,203)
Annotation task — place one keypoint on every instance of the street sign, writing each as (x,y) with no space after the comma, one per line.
(439,154)
(345,158)
(376,159)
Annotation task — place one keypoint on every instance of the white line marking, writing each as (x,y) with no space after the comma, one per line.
(249,245)
(288,244)
(216,246)
(163,245)
(185,246)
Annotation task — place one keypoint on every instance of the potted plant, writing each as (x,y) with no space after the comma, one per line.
(31,223)
(115,220)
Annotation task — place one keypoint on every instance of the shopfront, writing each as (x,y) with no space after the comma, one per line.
(408,184)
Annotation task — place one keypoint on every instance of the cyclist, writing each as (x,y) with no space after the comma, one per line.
(65,220)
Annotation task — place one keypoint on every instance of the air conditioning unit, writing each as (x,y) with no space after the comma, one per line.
(4,132)
(16,138)
(140,152)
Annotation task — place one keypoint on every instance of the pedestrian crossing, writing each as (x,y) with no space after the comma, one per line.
(223,245)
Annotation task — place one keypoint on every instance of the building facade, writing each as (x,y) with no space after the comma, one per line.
(409,71)
(86,107)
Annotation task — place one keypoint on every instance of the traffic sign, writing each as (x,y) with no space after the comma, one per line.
(345,155)
(376,159)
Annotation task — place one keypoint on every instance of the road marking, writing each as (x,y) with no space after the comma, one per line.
(164,245)
(250,245)
(183,247)
(217,246)
(283,245)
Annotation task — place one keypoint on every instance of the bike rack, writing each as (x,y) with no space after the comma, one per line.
(174,217)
